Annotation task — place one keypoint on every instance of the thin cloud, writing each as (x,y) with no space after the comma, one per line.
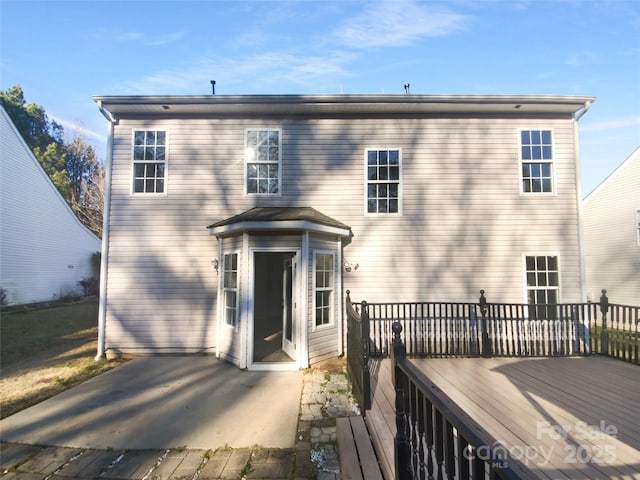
(79,129)
(395,23)
(164,39)
(266,70)
(623,122)
(119,36)
(583,58)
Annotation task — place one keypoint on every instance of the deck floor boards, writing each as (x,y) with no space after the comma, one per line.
(381,419)
(552,407)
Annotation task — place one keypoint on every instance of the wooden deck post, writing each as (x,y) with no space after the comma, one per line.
(486,351)
(604,334)
(402,448)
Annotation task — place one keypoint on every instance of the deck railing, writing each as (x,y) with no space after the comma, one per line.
(506,329)
(358,353)
(432,440)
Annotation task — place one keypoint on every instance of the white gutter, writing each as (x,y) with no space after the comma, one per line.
(305,225)
(102,309)
(576,146)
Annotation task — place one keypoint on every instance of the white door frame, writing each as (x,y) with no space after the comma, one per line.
(289,305)
(299,314)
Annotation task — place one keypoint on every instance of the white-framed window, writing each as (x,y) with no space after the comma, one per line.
(383,170)
(536,156)
(149,162)
(542,274)
(638,225)
(230,288)
(323,286)
(263,158)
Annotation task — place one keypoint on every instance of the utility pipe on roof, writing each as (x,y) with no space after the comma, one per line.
(102,309)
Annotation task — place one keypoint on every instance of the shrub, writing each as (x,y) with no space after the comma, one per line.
(4,297)
(90,286)
(96,260)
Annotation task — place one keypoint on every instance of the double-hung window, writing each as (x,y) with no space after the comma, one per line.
(263,158)
(536,153)
(383,181)
(543,286)
(230,288)
(323,269)
(149,161)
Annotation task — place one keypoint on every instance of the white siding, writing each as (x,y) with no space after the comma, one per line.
(44,249)
(464,224)
(611,235)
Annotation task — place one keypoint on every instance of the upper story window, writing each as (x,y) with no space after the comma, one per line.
(263,158)
(536,153)
(149,161)
(638,225)
(383,181)
(543,286)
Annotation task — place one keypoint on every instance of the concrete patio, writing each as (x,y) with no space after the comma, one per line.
(195,402)
(209,426)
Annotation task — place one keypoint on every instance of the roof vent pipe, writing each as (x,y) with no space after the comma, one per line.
(406,88)
(213,87)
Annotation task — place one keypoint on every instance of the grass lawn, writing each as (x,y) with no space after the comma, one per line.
(44,352)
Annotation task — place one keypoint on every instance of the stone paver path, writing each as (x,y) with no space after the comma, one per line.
(325,396)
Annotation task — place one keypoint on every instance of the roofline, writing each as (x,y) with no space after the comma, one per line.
(344,98)
(49,182)
(114,107)
(257,225)
(635,154)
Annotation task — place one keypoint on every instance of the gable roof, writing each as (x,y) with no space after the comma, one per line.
(9,128)
(280,218)
(634,157)
(171,106)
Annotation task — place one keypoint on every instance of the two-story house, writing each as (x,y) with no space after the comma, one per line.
(235,224)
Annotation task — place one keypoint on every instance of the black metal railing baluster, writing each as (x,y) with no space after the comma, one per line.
(483,329)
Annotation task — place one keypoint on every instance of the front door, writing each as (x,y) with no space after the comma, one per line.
(274,302)
(288,307)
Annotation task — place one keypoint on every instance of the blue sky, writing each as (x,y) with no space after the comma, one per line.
(63,52)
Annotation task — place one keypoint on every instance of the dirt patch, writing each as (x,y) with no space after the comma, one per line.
(331,365)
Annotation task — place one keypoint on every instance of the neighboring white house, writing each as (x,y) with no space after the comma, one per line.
(612,235)
(235,224)
(44,249)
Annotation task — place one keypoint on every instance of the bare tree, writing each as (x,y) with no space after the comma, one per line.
(89,205)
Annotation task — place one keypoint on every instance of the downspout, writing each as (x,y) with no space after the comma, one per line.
(576,146)
(102,309)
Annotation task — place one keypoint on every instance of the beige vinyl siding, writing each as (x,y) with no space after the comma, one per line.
(323,341)
(610,233)
(464,224)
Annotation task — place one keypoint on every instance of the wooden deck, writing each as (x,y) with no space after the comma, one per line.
(564,418)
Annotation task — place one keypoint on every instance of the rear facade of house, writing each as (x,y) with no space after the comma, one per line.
(234,225)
